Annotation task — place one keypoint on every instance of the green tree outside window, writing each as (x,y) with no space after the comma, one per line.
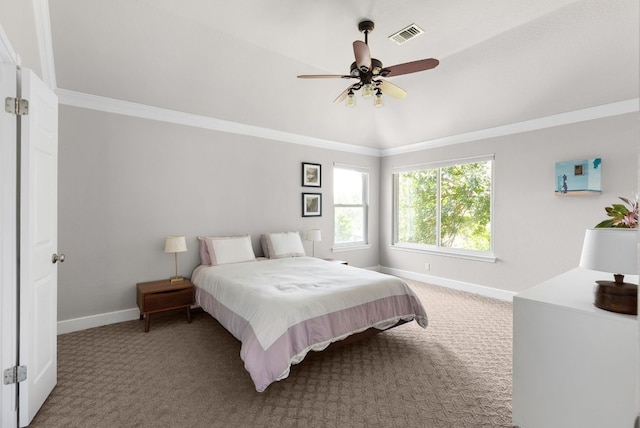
(446,207)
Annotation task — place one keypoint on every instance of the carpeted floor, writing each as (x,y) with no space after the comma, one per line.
(456,373)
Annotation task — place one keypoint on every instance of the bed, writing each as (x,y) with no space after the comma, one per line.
(282,308)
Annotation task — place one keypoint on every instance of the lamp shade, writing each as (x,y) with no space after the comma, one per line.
(175,244)
(314,235)
(611,250)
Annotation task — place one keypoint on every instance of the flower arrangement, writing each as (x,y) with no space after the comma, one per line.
(622,216)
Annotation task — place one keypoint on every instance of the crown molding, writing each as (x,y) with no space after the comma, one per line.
(591,113)
(111,105)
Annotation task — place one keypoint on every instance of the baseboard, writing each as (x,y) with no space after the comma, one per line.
(482,290)
(83,323)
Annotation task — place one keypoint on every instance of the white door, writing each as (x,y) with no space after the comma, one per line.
(38,243)
(8,239)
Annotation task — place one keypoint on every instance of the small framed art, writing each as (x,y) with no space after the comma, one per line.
(311,204)
(311,174)
(579,177)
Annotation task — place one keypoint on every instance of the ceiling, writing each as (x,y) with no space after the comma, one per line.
(501,61)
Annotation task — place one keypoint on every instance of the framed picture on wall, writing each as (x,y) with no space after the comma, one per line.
(311,174)
(311,204)
(579,177)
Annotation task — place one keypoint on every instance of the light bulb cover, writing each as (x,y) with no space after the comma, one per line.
(351,99)
(367,91)
(378,101)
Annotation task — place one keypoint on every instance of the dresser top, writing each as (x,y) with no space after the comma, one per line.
(574,290)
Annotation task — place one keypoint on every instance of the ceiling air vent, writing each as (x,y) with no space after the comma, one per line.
(406,34)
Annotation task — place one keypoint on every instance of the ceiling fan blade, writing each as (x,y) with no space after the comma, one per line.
(392,90)
(343,95)
(362,54)
(323,76)
(410,67)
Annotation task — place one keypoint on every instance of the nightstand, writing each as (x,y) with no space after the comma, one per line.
(163,295)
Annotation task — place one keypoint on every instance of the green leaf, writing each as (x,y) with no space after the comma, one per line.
(604,223)
(620,208)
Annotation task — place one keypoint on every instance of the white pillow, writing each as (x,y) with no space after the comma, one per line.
(234,249)
(285,244)
(204,251)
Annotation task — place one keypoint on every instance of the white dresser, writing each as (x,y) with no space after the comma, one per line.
(574,365)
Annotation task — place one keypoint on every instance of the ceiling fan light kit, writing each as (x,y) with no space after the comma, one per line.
(378,101)
(370,71)
(351,99)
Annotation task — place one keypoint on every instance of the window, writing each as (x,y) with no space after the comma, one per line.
(445,208)
(350,204)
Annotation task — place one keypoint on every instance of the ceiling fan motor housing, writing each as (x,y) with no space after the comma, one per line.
(376,69)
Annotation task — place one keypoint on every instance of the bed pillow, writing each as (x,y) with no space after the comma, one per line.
(234,249)
(204,252)
(264,245)
(284,244)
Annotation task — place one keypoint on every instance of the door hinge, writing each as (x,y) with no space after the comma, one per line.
(17,106)
(15,374)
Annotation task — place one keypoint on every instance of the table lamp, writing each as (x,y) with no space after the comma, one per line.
(315,236)
(613,250)
(175,244)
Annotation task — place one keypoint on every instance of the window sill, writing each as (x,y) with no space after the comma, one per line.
(352,247)
(458,254)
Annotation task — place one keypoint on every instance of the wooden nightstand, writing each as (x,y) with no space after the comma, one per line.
(160,296)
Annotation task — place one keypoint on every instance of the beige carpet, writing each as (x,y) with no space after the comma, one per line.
(456,373)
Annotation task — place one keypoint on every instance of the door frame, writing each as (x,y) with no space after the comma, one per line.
(9,63)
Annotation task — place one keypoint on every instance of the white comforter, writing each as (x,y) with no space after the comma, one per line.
(268,299)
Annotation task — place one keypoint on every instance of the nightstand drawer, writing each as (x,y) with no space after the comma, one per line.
(167,300)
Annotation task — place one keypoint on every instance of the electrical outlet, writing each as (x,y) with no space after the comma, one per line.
(427,266)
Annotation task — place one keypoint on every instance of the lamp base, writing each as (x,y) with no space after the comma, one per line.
(617,297)
(176,279)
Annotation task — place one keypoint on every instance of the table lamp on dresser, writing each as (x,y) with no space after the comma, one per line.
(613,250)
(175,244)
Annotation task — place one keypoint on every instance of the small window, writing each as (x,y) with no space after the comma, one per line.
(351,206)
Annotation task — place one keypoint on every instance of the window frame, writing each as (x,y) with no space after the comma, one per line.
(488,256)
(347,246)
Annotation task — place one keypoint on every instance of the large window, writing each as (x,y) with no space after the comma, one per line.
(351,203)
(445,207)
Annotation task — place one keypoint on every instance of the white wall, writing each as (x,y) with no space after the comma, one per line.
(17,20)
(537,235)
(126,183)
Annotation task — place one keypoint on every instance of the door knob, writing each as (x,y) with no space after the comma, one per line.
(57,258)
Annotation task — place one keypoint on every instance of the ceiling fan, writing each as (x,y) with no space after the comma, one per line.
(370,71)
